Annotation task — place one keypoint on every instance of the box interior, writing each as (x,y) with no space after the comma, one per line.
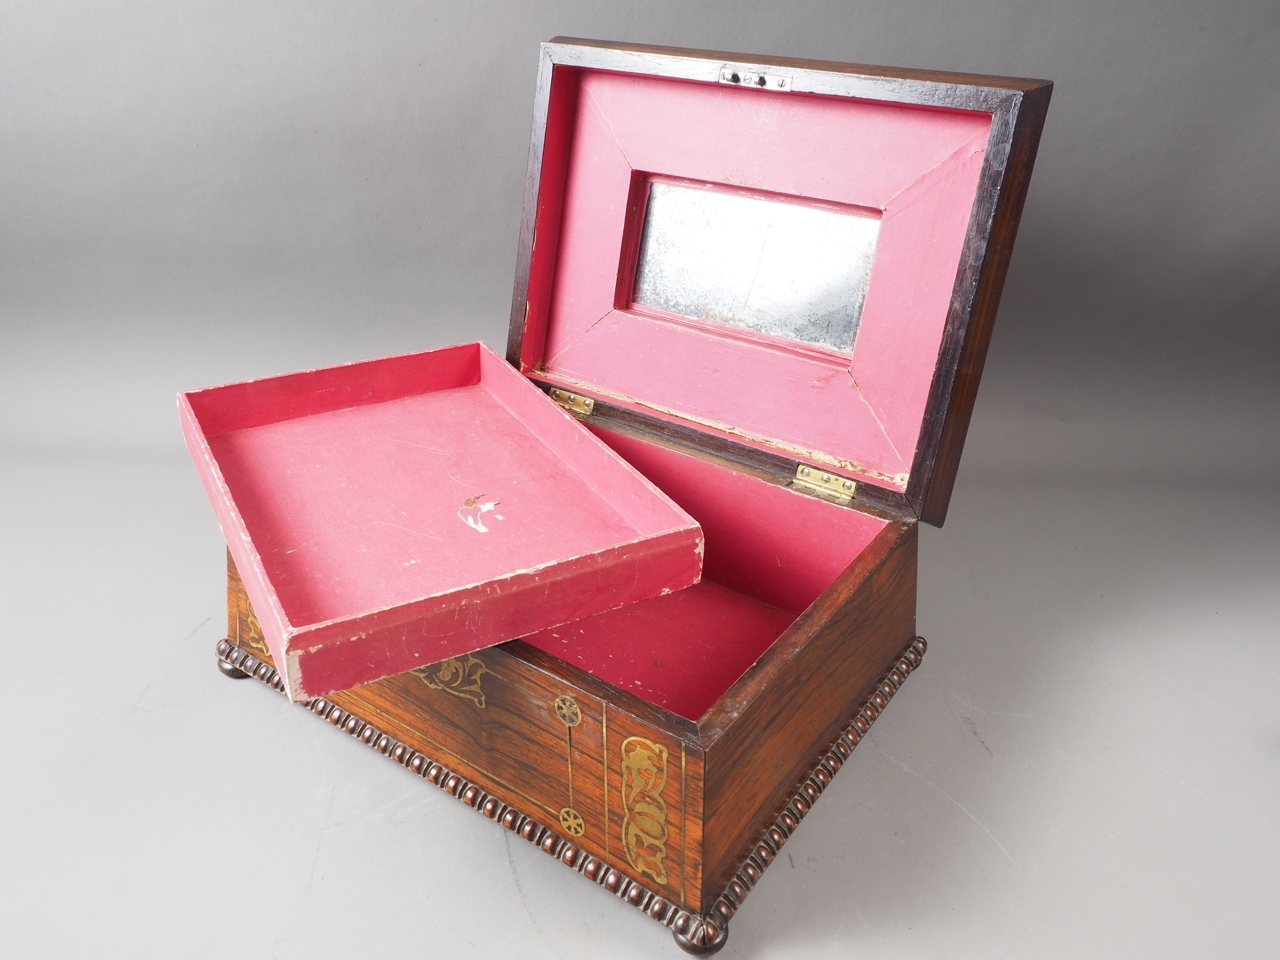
(911,173)
(770,552)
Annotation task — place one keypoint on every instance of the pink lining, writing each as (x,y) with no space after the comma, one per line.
(919,167)
(769,553)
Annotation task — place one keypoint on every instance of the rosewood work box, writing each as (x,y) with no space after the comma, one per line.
(637,591)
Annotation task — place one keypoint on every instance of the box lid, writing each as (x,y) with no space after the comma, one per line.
(793,264)
(393,513)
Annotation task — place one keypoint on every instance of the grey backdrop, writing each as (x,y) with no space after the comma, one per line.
(1088,761)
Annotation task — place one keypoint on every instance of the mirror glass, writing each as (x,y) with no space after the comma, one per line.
(791,270)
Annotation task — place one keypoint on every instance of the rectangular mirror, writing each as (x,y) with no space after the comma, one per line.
(788,269)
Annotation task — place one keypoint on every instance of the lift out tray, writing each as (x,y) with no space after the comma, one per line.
(394,513)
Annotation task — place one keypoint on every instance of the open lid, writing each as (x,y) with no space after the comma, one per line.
(792,264)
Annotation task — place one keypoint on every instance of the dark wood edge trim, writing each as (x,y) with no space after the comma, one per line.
(529,211)
(799,63)
(987,244)
(693,931)
(952,398)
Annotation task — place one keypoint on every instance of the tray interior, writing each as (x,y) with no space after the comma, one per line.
(769,553)
(429,473)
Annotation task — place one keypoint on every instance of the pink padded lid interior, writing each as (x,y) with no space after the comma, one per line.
(861,412)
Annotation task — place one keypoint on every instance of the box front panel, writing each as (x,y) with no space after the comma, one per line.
(622,789)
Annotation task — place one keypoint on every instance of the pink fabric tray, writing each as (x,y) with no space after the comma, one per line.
(393,513)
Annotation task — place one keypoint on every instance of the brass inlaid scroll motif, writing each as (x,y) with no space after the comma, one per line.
(644,820)
(252,638)
(459,677)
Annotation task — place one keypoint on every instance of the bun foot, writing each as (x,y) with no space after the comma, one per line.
(229,671)
(696,947)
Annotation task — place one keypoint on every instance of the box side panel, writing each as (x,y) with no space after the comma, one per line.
(772,727)
(243,628)
(624,789)
(621,789)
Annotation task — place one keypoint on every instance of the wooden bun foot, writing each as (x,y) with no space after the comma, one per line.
(229,671)
(702,949)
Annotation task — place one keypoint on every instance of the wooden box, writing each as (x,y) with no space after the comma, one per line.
(768,285)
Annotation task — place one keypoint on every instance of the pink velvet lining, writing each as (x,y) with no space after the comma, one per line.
(769,553)
(861,413)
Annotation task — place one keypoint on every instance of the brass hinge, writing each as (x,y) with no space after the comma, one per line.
(573,402)
(825,484)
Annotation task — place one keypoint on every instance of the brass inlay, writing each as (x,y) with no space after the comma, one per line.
(459,677)
(604,762)
(568,711)
(644,820)
(570,715)
(254,640)
(824,483)
(684,828)
(573,402)
(407,734)
(572,822)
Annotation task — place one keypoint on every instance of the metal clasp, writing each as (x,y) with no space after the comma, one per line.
(742,77)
